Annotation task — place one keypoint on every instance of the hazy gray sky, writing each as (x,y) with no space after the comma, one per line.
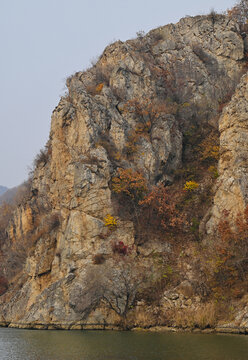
(44,41)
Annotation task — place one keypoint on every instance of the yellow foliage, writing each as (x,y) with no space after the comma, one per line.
(186,104)
(117,156)
(209,148)
(191,185)
(110,222)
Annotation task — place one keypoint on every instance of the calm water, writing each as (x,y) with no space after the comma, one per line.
(98,345)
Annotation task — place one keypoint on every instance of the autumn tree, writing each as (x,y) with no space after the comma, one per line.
(209,148)
(130,183)
(121,285)
(130,187)
(116,285)
(161,205)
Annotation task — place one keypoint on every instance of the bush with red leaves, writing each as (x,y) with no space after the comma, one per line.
(120,248)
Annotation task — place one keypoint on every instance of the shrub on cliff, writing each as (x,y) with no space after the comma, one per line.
(130,183)
(239,12)
(209,148)
(116,285)
(120,248)
(161,209)
(224,261)
(110,222)
(191,186)
(42,157)
(231,260)
(100,77)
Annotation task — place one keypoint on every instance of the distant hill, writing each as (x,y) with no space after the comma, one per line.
(14,195)
(8,195)
(3,189)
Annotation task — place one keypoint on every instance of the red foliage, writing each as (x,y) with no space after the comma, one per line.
(120,248)
(162,206)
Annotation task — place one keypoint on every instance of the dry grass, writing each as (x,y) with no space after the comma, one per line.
(205,316)
(142,318)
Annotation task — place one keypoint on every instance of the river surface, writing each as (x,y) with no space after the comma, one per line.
(109,345)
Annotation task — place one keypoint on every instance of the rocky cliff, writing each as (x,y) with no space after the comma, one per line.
(139,116)
(231,188)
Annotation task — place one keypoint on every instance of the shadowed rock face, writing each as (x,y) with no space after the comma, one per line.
(174,77)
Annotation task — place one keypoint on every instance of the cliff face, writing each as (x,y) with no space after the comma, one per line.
(132,110)
(231,188)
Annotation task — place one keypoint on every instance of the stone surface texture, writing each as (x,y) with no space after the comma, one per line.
(232,186)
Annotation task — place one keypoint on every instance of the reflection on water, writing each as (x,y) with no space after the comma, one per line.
(109,345)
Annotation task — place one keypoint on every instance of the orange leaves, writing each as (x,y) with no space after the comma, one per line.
(99,88)
(163,204)
(129,182)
